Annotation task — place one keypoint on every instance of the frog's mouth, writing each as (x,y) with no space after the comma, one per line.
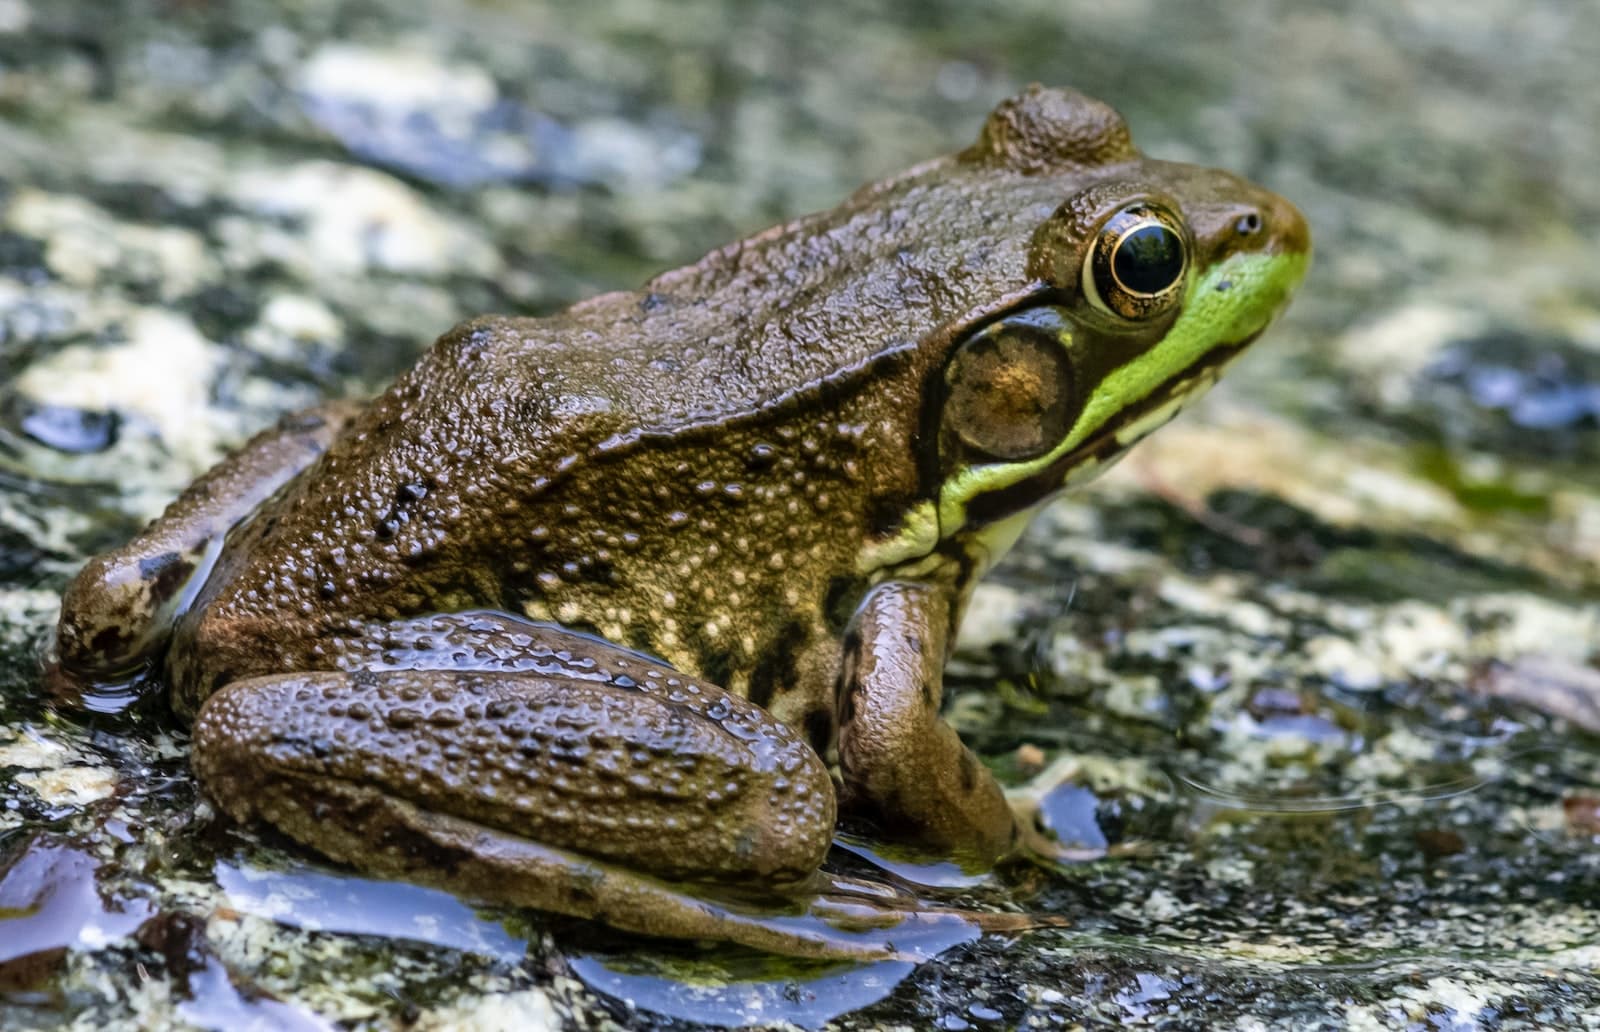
(1108,443)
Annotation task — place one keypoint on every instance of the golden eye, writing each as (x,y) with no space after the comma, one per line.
(1135,269)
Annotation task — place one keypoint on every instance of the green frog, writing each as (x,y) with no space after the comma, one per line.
(610,613)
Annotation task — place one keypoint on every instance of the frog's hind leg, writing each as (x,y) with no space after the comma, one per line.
(607,796)
(117,612)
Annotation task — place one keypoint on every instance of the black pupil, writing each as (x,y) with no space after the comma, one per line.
(1148,260)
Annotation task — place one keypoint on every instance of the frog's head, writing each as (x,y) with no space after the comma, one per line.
(1142,284)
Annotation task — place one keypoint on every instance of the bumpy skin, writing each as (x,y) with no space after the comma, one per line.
(422,653)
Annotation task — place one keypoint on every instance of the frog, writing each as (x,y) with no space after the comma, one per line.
(616,612)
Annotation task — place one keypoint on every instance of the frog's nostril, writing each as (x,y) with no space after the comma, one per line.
(1248,224)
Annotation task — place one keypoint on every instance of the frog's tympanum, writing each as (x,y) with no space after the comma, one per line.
(610,612)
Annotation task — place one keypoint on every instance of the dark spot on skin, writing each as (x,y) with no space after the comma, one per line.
(421,852)
(652,302)
(819,730)
(885,515)
(584,627)
(925,689)
(847,700)
(581,896)
(969,772)
(165,573)
(839,604)
(108,641)
(638,638)
(716,667)
(406,496)
(852,642)
(776,671)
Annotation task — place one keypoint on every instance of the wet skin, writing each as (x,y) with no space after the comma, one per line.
(579,613)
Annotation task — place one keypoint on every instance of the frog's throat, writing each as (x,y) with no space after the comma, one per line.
(1227,308)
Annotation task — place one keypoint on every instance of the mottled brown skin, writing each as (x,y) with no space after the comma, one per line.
(692,471)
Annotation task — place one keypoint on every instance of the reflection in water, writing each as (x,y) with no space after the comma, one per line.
(739,988)
(107,695)
(1069,812)
(723,997)
(729,986)
(320,901)
(1268,801)
(49,901)
(217,1005)
(913,871)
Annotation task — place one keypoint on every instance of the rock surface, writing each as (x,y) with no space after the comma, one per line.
(1318,665)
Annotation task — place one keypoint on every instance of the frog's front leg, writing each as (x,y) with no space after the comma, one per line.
(902,764)
(563,774)
(118,610)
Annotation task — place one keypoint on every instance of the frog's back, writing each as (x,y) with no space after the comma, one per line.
(552,465)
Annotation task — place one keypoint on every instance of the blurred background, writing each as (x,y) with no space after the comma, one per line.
(1321,659)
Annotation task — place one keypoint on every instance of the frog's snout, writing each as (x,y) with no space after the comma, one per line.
(1273,225)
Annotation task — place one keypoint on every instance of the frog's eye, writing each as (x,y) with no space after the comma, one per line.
(1135,269)
(1009,389)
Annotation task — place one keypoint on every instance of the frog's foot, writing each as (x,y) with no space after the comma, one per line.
(1035,810)
(1033,840)
(116,614)
(548,791)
